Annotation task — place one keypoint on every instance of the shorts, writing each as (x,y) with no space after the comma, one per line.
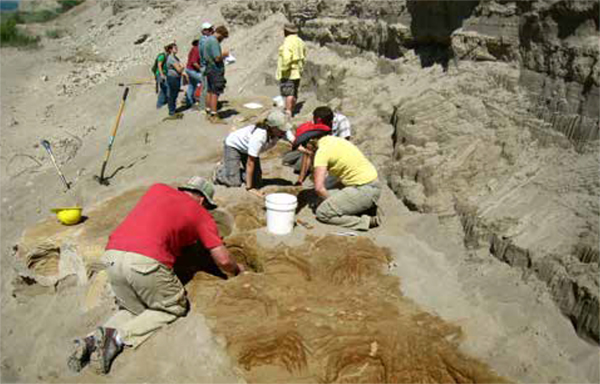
(216,82)
(289,87)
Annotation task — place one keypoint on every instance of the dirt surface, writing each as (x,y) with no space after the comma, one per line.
(459,285)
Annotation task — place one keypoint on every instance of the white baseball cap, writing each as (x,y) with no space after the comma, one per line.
(206,25)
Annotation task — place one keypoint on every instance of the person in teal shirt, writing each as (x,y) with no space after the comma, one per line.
(215,71)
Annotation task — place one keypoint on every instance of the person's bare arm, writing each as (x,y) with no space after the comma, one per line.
(320,175)
(223,55)
(180,68)
(304,167)
(225,262)
(160,70)
(250,165)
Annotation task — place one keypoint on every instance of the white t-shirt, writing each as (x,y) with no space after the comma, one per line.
(250,141)
(341,128)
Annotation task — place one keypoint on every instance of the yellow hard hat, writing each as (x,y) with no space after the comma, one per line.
(68,216)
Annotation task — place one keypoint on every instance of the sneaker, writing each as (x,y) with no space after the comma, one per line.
(176,116)
(373,222)
(378,219)
(81,353)
(107,348)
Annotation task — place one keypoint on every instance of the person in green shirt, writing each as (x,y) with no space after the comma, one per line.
(160,73)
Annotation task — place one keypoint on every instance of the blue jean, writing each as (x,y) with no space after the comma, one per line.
(174,83)
(162,92)
(195,78)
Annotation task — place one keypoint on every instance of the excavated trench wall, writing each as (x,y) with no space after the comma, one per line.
(514,116)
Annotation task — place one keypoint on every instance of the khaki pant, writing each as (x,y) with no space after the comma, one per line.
(346,207)
(149,294)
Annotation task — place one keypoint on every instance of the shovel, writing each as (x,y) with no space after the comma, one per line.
(101,179)
(46,145)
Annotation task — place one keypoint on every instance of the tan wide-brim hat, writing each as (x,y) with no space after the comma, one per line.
(278,119)
(290,28)
(200,184)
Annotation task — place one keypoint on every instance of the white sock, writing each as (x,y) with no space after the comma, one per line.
(118,339)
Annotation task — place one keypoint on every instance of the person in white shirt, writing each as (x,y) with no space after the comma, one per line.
(243,148)
(299,159)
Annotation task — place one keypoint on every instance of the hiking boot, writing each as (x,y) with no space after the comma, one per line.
(175,116)
(377,220)
(107,348)
(373,222)
(215,119)
(81,354)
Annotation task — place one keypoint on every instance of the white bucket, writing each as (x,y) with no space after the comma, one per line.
(281,209)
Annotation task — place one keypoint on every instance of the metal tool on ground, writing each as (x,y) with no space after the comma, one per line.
(46,145)
(351,234)
(304,224)
(141,82)
(101,179)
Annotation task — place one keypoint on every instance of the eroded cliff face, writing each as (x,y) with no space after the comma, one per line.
(554,42)
(559,50)
(493,107)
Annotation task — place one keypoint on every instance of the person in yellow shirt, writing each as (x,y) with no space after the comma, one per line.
(290,64)
(361,190)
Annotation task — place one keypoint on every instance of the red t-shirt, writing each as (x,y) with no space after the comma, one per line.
(193,57)
(162,222)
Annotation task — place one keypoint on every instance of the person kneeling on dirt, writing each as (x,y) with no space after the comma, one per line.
(343,160)
(300,159)
(139,257)
(244,146)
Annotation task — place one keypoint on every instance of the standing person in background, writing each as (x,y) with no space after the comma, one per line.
(215,71)
(193,71)
(290,64)
(175,70)
(160,74)
(207,31)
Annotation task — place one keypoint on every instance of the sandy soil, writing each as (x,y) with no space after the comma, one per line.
(405,302)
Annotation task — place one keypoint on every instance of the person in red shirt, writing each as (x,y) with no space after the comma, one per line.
(193,70)
(140,255)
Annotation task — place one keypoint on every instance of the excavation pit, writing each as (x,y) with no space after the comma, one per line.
(44,260)
(327,311)
(247,216)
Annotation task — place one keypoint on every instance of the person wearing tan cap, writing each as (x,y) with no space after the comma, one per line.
(290,64)
(139,260)
(244,146)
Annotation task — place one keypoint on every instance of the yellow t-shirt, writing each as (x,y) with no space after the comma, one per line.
(344,161)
